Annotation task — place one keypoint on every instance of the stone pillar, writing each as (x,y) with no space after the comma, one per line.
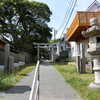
(6,62)
(11,64)
(96,83)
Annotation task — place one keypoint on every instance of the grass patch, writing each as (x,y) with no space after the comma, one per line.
(79,81)
(7,81)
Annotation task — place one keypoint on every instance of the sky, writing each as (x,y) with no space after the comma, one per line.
(58,8)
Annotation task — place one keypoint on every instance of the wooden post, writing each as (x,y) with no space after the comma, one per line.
(92,65)
(78,57)
(83,61)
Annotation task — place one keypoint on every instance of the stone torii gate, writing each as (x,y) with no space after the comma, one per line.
(49,46)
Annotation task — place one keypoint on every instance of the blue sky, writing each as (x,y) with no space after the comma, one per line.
(58,8)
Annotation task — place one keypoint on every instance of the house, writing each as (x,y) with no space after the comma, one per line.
(56,50)
(95,6)
(85,31)
(81,23)
(61,50)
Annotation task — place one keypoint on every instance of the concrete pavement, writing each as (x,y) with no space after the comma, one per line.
(53,86)
(19,92)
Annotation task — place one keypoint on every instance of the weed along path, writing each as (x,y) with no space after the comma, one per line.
(53,86)
(19,92)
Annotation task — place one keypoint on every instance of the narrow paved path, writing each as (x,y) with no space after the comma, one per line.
(19,92)
(53,86)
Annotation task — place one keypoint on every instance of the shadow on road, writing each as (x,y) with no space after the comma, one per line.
(18,89)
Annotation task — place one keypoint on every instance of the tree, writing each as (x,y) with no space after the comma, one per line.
(24,22)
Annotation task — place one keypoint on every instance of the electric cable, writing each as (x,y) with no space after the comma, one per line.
(71,12)
(66,14)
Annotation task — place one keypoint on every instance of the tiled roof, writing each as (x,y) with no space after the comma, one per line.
(94,3)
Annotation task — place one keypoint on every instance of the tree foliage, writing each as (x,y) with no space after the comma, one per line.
(24,22)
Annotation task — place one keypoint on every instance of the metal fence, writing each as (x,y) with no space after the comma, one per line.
(34,95)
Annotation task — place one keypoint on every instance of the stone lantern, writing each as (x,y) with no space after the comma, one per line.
(93,33)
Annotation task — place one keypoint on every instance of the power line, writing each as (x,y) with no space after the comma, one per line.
(69,4)
(71,12)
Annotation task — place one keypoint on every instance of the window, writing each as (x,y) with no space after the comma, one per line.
(98,39)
